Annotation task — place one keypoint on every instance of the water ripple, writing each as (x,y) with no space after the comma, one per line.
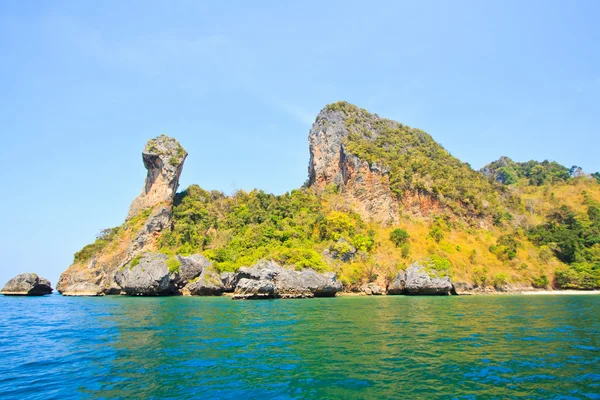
(386,347)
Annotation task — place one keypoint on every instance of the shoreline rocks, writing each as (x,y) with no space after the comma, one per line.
(418,280)
(27,284)
(267,279)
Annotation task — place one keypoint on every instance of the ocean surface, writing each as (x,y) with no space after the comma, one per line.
(545,347)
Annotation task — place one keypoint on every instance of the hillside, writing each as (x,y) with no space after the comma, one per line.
(379,196)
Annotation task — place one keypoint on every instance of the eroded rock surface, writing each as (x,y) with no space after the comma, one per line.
(209,283)
(366,186)
(150,277)
(267,279)
(27,284)
(419,280)
(372,289)
(163,158)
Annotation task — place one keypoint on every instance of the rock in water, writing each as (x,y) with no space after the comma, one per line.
(149,277)
(255,289)
(94,268)
(191,268)
(267,279)
(419,280)
(209,283)
(27,285)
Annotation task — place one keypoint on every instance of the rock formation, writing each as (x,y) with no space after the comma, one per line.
(27,285)
(163,158)
(209,283)
(150,213)
(148,277)
(421,280)
(366,186)
(268,279)
(372,289)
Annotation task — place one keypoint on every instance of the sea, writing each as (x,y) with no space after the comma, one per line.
(388,347)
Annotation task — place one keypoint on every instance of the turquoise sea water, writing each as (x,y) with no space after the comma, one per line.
(368,347)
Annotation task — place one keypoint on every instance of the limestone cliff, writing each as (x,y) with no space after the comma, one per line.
(163,158)
(94,268)
(366,186)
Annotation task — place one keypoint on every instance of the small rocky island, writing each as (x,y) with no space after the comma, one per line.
(134,265)
(27,284)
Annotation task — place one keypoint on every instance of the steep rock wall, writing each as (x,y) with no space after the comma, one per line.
(365,186)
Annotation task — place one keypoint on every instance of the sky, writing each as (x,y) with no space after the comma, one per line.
(83,86)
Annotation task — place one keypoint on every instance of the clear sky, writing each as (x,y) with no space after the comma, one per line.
(83,85)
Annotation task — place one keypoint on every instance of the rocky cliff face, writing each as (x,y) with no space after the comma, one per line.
(94,272)
(365,185)
(163,158)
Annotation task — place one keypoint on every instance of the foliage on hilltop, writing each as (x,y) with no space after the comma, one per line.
(508,172)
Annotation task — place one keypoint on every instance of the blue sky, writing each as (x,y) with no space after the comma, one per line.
(84,84)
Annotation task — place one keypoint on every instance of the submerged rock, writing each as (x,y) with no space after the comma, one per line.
(267,279)
(27,284)
(419,280)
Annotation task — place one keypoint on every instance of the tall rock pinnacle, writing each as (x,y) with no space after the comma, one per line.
(163,158)
(94,267)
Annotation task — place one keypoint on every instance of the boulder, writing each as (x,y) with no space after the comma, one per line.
(150,277)
(27,284)
(372,289)
(397,285)
(254,289)
(421,280)
(191,268)
(286,283)
(207,284)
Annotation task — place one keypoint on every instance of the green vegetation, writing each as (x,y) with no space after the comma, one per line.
(135,261)
(575,240)
(160,145)
(102,240)
(500,280)
(173,264)
(437,263)
(292,229)
(399,236)
(535,173)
